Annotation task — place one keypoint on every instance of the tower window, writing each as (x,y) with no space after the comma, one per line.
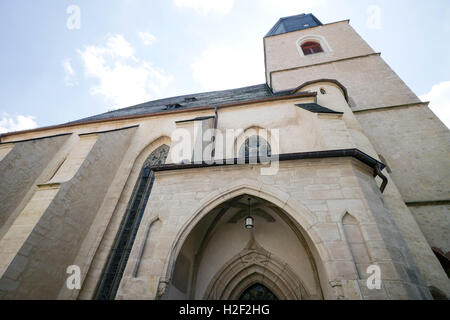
(311,47)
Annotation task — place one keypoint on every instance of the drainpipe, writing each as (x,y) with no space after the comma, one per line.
(213,152)
(377,172)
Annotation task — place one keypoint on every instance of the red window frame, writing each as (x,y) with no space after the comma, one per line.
(311,47)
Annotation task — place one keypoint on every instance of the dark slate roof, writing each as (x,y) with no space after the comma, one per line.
(294,23)
(256,92)
(315,108)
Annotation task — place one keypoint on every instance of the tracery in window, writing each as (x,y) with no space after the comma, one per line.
(255,146)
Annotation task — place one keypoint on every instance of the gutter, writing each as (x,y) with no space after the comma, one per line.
(376,165)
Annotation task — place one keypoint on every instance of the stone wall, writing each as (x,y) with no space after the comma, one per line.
(333,34)
(435,224)
(416,146)
(38,270)
(315,193)
(370,82)
(402,130)
(20,168)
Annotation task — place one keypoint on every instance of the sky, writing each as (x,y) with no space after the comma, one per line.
(65,60)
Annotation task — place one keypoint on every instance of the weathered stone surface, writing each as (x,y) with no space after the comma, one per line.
(325,219)
(19,170)
(78,200)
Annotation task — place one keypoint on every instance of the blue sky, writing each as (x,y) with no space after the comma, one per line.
(130,51)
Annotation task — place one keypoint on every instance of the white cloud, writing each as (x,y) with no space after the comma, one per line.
(147,38)
(124,80)
(206,6)
(291,7)
(70,73)
(9,123)
(118,46)
(439,98)
(224,67)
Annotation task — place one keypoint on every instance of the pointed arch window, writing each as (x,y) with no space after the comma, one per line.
(356,243)
(123,243)
(255,146)
(311,47)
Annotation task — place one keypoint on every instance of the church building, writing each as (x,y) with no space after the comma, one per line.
(330,181)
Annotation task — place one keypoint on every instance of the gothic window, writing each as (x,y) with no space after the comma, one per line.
(257,292)
(311,47)
(118,257)
(255,146)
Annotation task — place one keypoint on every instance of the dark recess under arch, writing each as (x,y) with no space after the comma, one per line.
(257,292)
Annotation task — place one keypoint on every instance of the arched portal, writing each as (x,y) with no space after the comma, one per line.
(258,292)
(221,259)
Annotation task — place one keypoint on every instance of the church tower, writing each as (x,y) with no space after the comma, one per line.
(303,54)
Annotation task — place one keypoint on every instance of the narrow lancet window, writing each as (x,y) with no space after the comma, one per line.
(118,257)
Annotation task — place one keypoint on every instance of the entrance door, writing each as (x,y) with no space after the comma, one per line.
(257,292)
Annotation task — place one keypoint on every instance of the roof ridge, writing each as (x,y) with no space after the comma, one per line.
(295,15)
(202,98)
(186,95)
(143,104)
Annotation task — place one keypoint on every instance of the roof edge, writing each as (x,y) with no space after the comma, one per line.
(323,25)
(334,81)
(280,20)
(293,95)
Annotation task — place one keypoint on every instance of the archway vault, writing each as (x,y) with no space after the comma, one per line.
(286,285)
(255,265)
(298,213)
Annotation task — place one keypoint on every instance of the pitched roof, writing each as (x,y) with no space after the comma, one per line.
(260,91)
(294,23)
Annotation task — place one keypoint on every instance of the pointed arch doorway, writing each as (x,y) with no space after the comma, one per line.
(221,259)
(258,292)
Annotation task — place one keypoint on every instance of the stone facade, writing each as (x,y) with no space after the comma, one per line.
(320,221)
